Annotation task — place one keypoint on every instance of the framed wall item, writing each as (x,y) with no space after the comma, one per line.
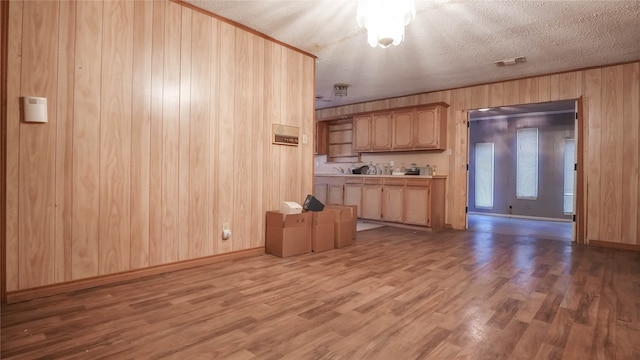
(285,135)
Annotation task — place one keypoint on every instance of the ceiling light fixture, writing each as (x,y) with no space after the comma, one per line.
(385,20)
(340,89)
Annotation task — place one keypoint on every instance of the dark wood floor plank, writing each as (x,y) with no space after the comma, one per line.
(394,294)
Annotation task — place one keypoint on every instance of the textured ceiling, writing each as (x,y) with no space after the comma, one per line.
(449,44)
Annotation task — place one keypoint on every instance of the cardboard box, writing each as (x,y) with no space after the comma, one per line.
(288,235)
(345,224)
(323,235)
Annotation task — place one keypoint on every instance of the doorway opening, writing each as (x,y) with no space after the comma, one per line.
(522,170)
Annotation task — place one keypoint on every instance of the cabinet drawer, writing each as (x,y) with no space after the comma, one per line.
(418,182)
(398,182)
(373,181)
(353,181)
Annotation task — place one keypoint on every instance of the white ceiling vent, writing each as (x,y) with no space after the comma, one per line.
(512,61)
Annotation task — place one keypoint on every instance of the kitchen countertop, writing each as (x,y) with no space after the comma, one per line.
(383,176)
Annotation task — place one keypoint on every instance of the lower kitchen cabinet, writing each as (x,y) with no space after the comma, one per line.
(320,192)
(372,201)
(353,196)
(393,199)
(392,203)
(416,205)
(335,194)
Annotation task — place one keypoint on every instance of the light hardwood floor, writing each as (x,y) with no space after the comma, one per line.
(395,294)
(541,229)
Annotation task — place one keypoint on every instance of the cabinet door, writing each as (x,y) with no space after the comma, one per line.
(416,205)
(353,196)
(403,130)
(362,133)
(430,128)
(381,132)
(320,192)
(392,203)
(334,194)
(372,202)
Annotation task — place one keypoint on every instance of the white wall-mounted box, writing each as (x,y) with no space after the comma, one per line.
(35,109)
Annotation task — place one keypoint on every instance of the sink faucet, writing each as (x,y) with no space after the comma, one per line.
(339,169)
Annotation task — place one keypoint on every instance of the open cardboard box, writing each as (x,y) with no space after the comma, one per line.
(322,231)
(288,235)
(345,223)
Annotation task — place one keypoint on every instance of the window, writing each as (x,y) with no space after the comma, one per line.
(569,173)
(527,164)
(484,175)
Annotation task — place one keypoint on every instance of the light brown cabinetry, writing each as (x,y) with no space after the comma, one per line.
(424,202)
(335,194)
(415,128)
(320,192)
(362,133)
(416,205)
(381,132)
(406,200)
(372,132)
(402,123)
(393,203)
(372,199)
(430,128)
(353,194)
(335,139)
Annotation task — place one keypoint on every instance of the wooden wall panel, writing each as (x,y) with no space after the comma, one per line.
(258,131)
(544,88)
(159,132)
(611,153)
(171,133)
(185,134)
(214,227)
(511,93)
(495,94)
(593,95)
(141,133)
(226,131)
(528,91)
(199,140)
(630,153)
(37,142)
(86,141)
(156,254)
(273,79)
(242,139)
(115,137)
(14,62)
(64,142)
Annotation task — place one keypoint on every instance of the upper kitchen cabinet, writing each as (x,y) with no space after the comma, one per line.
(381,132)
(402,124)
(372,132)
(402,129)
(430,127)
(362,133)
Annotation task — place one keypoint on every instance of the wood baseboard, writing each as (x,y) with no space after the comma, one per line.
(620,246)
(44,291)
